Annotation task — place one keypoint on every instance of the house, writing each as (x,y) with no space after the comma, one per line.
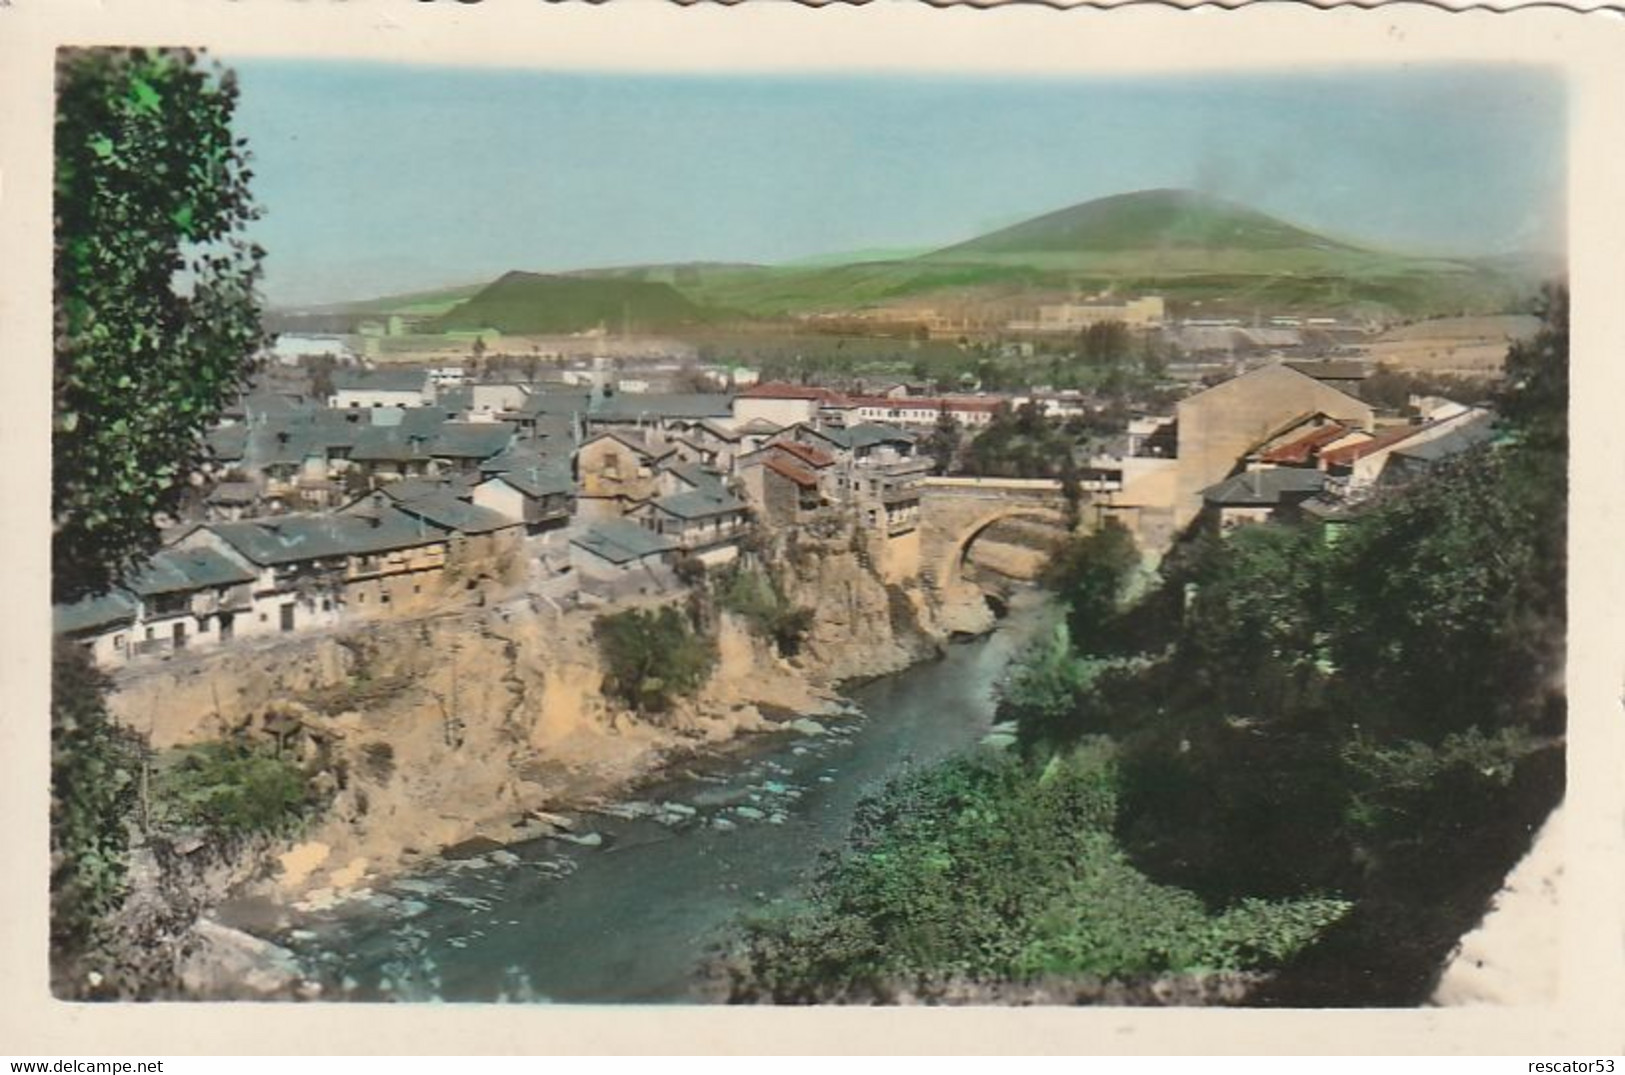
(481,544)
(660,411)
(1220,426)
(1303,441)
(1256,496)
(187,597)
(706,523)
(1362,464)
(616,471)
(381,388)
(462,446)
(781,404)
(782,489)
(1341,374)
(103,625)
(1412,459)
(832,480)
(617,550)
(679,477)
(542,497)
(550,410)
(299,565)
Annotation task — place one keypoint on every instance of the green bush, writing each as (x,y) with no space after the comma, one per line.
(652,657)
(93,792)
(988,868)
(754,596)
(230,789)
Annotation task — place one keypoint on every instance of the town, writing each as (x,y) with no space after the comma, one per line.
(401,489)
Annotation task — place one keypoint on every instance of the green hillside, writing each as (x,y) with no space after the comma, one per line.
(520,303)
(1147,220)
(1188,247)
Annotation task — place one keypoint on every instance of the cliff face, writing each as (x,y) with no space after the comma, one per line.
(470,723)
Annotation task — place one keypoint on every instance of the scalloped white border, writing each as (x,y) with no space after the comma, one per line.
(1129,36)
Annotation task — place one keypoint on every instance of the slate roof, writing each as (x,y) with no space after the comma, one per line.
(381,380)
(555,403)
(286,539)
(1470,434)
(1264,488)
(180,570)
(621,541)
(870,434)
(471,440)
(631,406)
(227,442)
(104,610)
(388,445)
(698,504)
(538,481)
(447,512)
(696,475)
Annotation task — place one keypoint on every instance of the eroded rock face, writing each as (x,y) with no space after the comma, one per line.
(476,722)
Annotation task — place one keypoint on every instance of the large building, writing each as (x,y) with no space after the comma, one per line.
(1146,312)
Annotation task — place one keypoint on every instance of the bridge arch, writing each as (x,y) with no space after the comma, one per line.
(946,566)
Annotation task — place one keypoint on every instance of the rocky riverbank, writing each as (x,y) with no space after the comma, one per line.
(488,724)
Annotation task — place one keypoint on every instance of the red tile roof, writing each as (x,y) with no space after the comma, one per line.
(801,476)
(1386,439)
(805,452)
(1303,448)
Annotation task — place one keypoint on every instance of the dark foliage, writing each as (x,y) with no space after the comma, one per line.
(156,317)
(652,657)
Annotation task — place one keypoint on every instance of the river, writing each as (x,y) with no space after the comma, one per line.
(634,916)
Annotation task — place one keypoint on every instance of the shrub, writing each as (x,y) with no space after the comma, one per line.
(989,868)
(754,596)
(652,657)
(93,789)
(230,789)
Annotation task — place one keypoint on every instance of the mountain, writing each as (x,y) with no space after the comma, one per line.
(522,302)
(1146,220)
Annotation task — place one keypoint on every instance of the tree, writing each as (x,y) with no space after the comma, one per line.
(1104,343)
(1091,574)
(157,321)
(943,442)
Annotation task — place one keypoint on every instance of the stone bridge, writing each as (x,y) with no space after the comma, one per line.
(954,512)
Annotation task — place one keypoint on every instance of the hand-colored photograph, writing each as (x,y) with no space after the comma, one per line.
(542,535)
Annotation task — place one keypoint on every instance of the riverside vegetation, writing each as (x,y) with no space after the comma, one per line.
(1312,752)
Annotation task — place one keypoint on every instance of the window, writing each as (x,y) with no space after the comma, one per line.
(383,598)
(118,641)
(360,599)
(150,634)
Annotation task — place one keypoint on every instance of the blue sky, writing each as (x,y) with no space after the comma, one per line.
(379,178)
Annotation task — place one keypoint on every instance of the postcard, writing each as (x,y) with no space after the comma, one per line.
(620,522)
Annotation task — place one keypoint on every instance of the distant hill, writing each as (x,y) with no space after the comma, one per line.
(1190,247)
(533,303)
(1146,220)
